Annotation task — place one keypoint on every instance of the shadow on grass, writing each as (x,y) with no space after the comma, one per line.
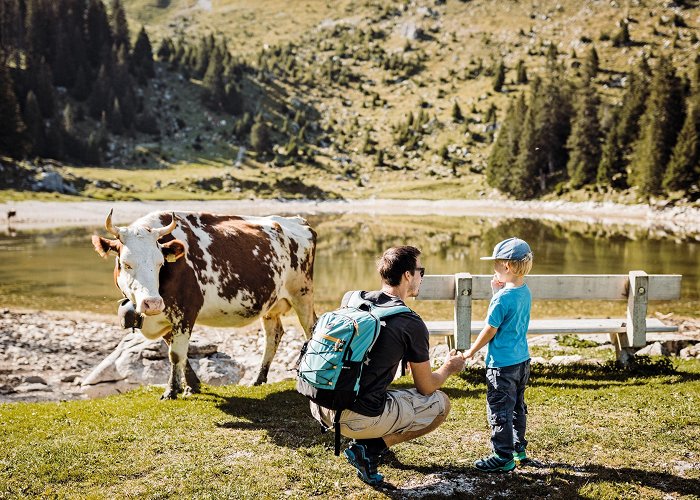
(553,480)
(286,418)
(586,376)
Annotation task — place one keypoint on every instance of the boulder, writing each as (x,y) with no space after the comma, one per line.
(137,361)
(689,352)
(655,349)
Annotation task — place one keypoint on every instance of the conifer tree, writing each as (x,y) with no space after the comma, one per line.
(584,140)
(457,115)
(35,125)
(260,136)
(213,82)
(54,140)
(611,169)
(80,90)
(499,77)
(63,67)
(142,57)
(660,125)
(12,129)
(102,95)
(97,32)
(166,49)
(591,64)
(521,73)
(523,178)
(683,169)
(505,150)
(42,84)
(119,25)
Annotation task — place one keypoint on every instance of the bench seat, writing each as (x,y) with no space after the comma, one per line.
(559,326)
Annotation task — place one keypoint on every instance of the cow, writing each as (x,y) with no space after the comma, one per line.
(178,268)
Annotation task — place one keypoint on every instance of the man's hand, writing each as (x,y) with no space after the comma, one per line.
(454,361)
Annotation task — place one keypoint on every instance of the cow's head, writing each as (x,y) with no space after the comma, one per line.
(139,260)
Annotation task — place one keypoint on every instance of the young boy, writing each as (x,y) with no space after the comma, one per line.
(507,357)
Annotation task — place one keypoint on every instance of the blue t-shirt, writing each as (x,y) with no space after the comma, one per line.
(509,311)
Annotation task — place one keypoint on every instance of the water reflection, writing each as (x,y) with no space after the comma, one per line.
(58,269)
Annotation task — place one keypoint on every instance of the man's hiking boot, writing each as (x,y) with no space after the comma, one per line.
(365,463)
(495,463)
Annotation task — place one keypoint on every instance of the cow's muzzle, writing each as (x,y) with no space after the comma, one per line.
(151,306)
(128,317)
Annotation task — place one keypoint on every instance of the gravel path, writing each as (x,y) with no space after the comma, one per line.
(36,214)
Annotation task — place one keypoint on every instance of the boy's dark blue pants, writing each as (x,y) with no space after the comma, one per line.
(505,407)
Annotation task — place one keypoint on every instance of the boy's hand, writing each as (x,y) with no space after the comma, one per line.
(468,354)
(496,285)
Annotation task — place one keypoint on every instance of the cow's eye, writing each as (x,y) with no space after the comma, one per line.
(126,266)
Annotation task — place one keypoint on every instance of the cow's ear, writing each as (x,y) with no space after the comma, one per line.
(173,250)
(103,246)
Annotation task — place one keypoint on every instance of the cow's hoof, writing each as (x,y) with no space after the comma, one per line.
(169,394)
(188,392)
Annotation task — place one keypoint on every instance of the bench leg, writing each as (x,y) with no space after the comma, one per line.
(450,341)
(623,352)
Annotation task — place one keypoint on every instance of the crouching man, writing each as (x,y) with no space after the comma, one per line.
(380,418)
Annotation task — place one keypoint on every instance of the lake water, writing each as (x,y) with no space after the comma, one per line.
(59,270)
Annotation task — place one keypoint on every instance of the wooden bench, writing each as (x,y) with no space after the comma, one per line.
(627,334)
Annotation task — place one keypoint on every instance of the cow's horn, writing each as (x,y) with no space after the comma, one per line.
(167,229)
(111,229)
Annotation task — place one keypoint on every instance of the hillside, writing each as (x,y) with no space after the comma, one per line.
(361,99)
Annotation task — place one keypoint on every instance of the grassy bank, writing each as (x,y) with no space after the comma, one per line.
(598,434)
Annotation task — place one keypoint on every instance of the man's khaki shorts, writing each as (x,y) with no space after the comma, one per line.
(405,410)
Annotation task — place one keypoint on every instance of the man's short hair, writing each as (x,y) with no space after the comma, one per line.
(395,262)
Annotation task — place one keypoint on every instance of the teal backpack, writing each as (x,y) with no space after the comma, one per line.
(330,364)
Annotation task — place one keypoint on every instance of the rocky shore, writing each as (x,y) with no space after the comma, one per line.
(44,356)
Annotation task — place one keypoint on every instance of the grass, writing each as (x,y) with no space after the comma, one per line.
(598,433)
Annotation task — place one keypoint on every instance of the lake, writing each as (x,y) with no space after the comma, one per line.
(57,269)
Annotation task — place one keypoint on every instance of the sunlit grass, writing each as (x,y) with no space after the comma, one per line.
(599,434)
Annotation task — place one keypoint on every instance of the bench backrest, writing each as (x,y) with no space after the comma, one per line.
(462,288)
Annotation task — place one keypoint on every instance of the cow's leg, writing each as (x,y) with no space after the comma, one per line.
(272,324)
(191,379)
(303,304)
(178,362)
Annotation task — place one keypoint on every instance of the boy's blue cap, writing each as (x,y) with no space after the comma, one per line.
(511,249)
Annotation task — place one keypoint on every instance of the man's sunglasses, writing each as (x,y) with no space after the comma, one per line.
(421,270)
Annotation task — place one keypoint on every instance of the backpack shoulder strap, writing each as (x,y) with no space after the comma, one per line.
(356,300)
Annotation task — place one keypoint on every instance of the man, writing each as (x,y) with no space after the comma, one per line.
(380,418)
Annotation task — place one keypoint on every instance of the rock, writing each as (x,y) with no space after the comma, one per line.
(35,379)
(655,349)
(137,361)
(566,360)
(689,352)
(32,388)
(537,360)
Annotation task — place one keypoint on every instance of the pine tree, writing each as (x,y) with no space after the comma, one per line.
(213,82)
(35,125)
(119,25)
(42,85)
(521,73)
(683,169)
(622,37)
(260,136)
(142,58)
(591,64)
(13,141)
(457,115)
(80,90)
(611,169)
(584,140)
(505,150)
(661,123)
(633,106)
(166,49)
(499,77)
(97,32)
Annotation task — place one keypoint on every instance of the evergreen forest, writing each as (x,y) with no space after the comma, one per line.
(81,86)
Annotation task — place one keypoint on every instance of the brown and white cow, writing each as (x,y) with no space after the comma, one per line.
(220,270)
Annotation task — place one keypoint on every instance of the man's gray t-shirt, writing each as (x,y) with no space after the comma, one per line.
(404,336)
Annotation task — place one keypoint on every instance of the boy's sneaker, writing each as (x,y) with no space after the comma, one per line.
(495,463)
(520,457)
(365,464)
